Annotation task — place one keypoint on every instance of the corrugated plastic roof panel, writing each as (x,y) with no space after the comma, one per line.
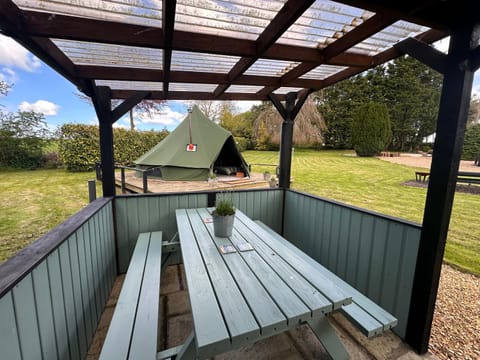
(192,87)
(130,85)
(384,39)
(276,68)
(201,62)
(88,53)
(247,89)
(322,23)
(322,72)
(245,19)
(140,12)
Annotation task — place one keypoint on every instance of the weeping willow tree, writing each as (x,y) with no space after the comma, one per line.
(308,129)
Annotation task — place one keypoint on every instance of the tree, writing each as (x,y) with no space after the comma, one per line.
(308,127)
(474,111)
(22,136)
(212,109)
(471,145)
(371,129)
(412,94)
(409,89)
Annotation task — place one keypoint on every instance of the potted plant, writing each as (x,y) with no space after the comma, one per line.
(223,217)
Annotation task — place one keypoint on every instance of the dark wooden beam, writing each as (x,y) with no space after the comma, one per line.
(451,124)
(168,23)
(475,59)
(108,32)
(363,31)
(429,36)
(424,53)
(287,15)
(360,33)
(134,74)
(84,29)
(422,12)
(12,24)
(101,99)
(128,104)
(188,95)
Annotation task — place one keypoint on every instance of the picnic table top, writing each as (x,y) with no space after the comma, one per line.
(240,297)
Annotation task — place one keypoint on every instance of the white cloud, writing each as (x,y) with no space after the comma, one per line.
(242,106)
(14,55)
(40,106)
(166,117)
(8,75)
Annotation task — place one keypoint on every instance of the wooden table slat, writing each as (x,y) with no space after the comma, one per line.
(210,331)
(237,315)
(296,258)
(313,298)
(373,309)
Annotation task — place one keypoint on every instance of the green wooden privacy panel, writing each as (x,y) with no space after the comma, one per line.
(373,253)
(146,213)
(265,206)
(52,313)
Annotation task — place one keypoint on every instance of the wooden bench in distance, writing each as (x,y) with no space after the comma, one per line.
(468,177)
(366,315)
(133,330)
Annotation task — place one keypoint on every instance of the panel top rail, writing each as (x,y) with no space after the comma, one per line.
(17,267)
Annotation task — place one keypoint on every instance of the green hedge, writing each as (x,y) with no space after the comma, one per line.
(79,145)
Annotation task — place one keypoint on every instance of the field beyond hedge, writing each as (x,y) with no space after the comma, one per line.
(33,202)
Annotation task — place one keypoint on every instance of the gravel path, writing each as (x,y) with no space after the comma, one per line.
(456,322)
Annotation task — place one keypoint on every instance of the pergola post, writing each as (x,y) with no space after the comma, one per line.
(103,107)
(451,124)
(101,98)
(288,113)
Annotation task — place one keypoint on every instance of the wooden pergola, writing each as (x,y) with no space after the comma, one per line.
(262,50)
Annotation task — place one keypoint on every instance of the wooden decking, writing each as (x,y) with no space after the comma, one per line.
(134,184)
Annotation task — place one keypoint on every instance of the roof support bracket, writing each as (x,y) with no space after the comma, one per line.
(128,104)
(288,114)
(424,53)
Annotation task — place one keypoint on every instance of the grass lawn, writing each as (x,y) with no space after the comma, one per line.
(36,201)
(376,185)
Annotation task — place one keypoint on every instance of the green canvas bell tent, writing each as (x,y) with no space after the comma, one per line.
(195,147)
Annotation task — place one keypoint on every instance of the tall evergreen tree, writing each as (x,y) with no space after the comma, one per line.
(409,89)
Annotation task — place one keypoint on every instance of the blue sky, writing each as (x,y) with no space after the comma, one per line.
(39,88)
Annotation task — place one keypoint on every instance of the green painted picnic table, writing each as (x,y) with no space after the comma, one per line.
(240,297)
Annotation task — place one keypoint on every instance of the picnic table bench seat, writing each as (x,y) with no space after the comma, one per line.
(132,333)
(366,315)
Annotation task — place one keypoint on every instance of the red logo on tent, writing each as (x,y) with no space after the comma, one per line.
(192,147)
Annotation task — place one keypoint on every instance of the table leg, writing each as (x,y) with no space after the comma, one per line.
(188,350)
(329,339)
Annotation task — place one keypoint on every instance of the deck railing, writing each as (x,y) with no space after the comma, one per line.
(53,292)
